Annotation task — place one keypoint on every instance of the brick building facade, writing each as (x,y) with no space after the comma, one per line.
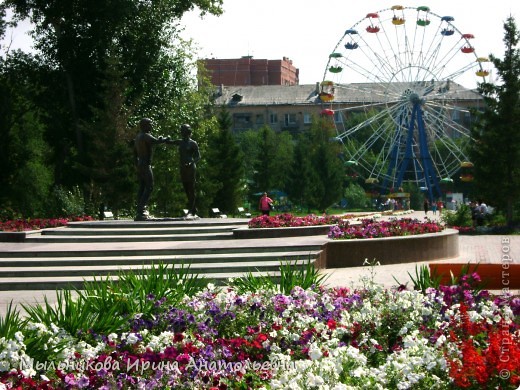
(250,71)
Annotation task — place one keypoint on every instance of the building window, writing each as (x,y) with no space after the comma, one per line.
(242,121)
(290,119)
(456,116)
(338,117)
(273,118)
(307,118)
(259,119)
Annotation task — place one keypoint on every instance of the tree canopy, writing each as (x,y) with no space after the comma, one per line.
(495,148)
(98,68)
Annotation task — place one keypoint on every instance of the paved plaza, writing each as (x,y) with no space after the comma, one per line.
(474,249)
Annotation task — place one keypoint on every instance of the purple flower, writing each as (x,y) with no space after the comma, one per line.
(83,382)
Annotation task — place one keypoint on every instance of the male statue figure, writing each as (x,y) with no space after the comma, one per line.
(143,148)
(189,155)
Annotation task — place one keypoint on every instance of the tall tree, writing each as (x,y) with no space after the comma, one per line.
(79,40)
(227,167)
(25,177)
(284,154)
(302,177)
(327,165)
(264,170)
(495,148)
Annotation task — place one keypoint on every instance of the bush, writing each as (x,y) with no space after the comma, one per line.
(63,202)
(356,196)
(461,217)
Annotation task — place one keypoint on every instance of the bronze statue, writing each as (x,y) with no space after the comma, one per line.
(189,155)
(143,150)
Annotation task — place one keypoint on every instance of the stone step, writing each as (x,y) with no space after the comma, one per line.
(139,231)
(102,270)
(162,223)
(33,262)
(127,238)
(68,282)
(65,257)
(88,251)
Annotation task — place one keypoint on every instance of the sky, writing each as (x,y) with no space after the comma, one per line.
(306,31)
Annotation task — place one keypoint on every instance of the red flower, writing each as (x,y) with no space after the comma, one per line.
(331,324)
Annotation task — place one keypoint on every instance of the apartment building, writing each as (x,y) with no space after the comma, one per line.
(251,71)
(291,107)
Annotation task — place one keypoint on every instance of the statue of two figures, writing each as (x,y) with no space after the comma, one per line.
(189,155)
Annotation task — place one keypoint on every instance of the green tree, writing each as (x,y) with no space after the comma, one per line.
(78,41)
(265,162)
(25,177)
(227,168)
(325,152)
(495,148)
(111,170)
(302,176)
(283,157)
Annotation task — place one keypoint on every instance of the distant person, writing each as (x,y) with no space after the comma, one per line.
(189,156)
(143,150)
(440,206)
(474,211)
(426,205)
(265,204)
(482,212)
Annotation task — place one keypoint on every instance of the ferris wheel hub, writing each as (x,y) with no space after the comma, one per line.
(415,99)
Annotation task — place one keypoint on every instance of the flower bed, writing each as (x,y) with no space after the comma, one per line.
(21,225)
(289,220)
(368,228)
(17,230)
(451,337)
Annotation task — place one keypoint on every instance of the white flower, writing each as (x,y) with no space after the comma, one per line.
(132,338)
(440,341)
(112,337)
(19,337)
(358,372)
(315,352)
(314,380)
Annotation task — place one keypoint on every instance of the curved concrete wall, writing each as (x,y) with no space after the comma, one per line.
(282,232)
(391,250)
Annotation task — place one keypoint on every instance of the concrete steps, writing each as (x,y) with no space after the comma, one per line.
(67,257)
(54,238)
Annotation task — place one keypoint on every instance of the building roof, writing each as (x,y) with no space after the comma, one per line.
(255,95)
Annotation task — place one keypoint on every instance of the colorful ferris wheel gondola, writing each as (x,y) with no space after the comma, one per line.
(482,72)
(467,48)
(351,44)
(327,91)
(466,171)
(335,66)
(447,28)
(446,183)
(327,112)
(398,18)
(422,16)
(372,28)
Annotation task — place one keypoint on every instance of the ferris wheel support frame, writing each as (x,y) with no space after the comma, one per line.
(429,176)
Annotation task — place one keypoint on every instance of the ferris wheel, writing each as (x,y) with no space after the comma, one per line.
(400,86)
